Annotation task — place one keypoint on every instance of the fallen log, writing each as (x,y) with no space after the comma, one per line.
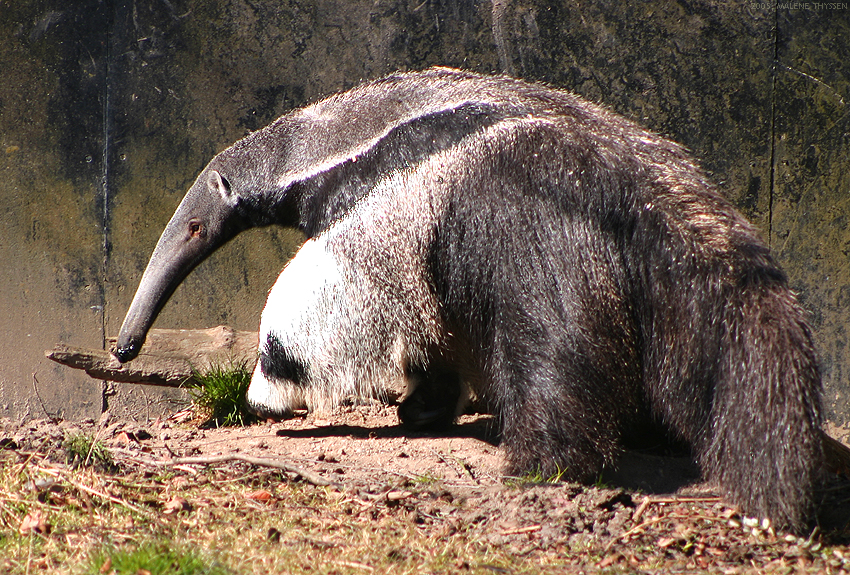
(168,358)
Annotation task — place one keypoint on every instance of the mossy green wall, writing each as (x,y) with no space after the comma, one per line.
(109,109)
(810,223)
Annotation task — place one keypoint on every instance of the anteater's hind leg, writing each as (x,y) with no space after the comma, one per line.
(433,400)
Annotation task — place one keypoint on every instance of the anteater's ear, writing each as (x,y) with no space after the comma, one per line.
(219,183)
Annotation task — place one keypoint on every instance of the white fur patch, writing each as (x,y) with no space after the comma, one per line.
(355,305)
(302,312)
(271,397)
(302,306)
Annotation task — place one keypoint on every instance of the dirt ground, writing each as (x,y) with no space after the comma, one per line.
(651,511)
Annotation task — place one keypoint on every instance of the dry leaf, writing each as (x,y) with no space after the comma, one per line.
(176,504)
(260,495)
(398,495)
(180,481)
(34,523)
(125,438)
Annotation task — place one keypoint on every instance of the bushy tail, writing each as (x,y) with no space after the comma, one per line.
(764,447)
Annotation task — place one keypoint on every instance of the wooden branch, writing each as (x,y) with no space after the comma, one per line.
(308,476)
(167,358)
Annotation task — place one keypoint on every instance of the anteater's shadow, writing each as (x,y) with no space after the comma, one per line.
(655,465)
(481,429)
(653,469)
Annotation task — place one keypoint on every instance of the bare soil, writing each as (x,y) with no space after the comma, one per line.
(651,514)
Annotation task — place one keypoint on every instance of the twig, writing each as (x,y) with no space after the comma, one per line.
(633,530)
(355,565)
(641,508)
(463,465)
(647,501)
(32,455)
(38,395)
(95,492)
(520,530)
(309,476)
(686,499)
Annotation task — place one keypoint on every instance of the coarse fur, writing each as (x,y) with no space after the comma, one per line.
(581,272)
(349,315)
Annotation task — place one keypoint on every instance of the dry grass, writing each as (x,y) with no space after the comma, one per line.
(234,517)
(238,520)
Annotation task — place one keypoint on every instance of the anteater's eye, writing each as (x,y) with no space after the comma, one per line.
(195,229)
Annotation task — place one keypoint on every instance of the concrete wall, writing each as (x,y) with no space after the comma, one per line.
(108,110)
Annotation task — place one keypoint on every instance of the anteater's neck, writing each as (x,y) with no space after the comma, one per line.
(329,195)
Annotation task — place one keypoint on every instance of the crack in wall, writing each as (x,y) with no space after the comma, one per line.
(772,175)
(105,183)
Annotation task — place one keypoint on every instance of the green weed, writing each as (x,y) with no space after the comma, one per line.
(219,394)
(536,477)
(426,478)
(83,450)
(156,558)
(600,483)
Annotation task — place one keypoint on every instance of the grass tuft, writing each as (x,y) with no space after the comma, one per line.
(219,394)
(536,477)
(84,450)
(156,558)
(427,478)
